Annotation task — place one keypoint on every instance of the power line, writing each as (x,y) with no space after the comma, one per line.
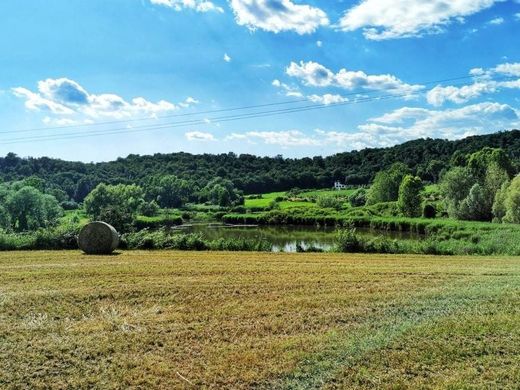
(231,109)
(227,118)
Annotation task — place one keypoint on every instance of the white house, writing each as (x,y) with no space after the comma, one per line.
(339,186)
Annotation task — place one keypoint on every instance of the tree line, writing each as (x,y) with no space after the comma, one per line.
(73,181)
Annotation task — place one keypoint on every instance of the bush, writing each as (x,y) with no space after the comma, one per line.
(149,209)
(358,198)
(329,202)
(347,240)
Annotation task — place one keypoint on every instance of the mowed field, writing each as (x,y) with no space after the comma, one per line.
(248,320)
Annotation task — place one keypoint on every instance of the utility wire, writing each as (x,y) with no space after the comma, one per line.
(226,118)
(208,111)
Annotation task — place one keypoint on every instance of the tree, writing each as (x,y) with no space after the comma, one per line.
(30,209)
(475,206)
(221,192)
(434,169)
(386,184)
(117,205)
(170,192)
(512,202)
(499,204)
(479,161)
(409,201)
(455,186)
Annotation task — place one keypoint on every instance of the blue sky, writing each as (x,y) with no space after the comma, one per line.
(96,80)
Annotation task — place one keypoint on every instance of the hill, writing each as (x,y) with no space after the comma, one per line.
(250,173)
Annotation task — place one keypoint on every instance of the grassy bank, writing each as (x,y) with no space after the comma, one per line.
(249,320)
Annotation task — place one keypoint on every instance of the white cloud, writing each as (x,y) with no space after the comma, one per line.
(509,69)
(199,136)
(291,91)
(316,75)
(327,99)
(319,43)
(396,127)
(66,97)
(390,19)
(411,123)
(496,21)
(196,5)
(484,83)
(517,16)
(227,58)
(289,138)
(438,95)
(278,15)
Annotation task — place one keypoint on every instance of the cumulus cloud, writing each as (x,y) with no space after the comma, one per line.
(293,91)
(199,136)
(411,123)
(278,15)
(316,75)
(227,58)
(327,99)
(196,5)
(485,82)
(398,126)
(390,19)
(287,138)
(66,97)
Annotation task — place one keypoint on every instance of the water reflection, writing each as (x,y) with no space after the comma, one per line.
(285,238)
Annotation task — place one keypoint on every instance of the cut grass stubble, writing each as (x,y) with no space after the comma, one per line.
(252,320)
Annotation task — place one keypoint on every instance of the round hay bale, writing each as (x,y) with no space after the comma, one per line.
(98,238)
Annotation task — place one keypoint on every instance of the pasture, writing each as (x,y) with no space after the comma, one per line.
(258,320)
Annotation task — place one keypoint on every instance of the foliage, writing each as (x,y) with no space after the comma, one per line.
(116,205)
(169,191)
(149,209)
(252,174)
(512,202)
(358,198)
(385,187)
(347,240)
(29,209)
(330,202)
(221,192)
(409,201)
(499,204)
(479,161)
(475,206)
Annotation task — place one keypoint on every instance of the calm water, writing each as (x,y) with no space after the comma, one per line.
(284,238)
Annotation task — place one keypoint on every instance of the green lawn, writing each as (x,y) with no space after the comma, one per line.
(265,201)
(170,320)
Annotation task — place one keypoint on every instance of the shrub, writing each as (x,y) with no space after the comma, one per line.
(358,198)
(330,202)
(347,240)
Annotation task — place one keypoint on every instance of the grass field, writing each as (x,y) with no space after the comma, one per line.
(250,320)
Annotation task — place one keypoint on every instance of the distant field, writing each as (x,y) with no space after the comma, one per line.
(250,320)
(266,199)
(328,192)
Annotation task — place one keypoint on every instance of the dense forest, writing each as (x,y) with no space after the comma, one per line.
(73,181)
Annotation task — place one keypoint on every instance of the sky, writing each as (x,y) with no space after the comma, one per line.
(100,79)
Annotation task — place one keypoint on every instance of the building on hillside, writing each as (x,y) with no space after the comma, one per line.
(339,186)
